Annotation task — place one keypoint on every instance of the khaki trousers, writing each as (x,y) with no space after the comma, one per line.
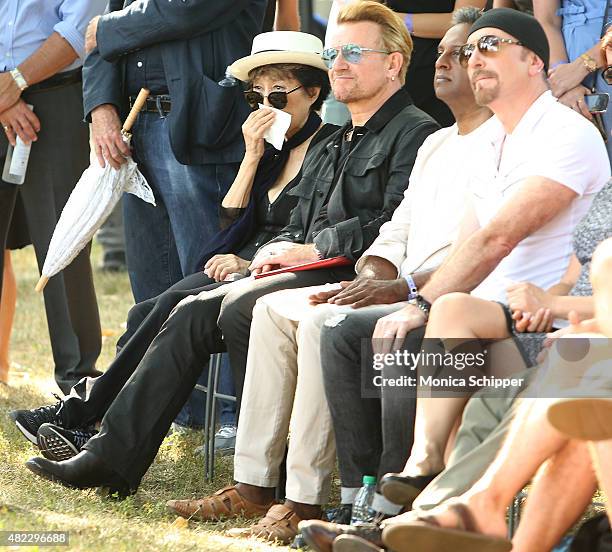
(284,398)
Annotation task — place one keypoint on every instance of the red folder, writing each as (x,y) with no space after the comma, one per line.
(314,265)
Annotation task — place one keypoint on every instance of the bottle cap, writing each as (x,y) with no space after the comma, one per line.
(369,480)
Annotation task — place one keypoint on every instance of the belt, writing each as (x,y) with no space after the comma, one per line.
(56,81)
(160,104)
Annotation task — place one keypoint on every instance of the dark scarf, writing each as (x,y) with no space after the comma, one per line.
(233,238)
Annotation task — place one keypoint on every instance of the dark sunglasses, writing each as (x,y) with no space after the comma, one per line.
(606,74)
(352,53)
(276,99)
(488,44)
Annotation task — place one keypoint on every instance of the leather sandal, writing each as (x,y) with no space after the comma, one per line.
(425,533)
(225,503)
(280,524)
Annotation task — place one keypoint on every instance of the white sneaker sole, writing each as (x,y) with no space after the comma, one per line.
(26,433)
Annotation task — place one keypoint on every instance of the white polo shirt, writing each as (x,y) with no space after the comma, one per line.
(552,141)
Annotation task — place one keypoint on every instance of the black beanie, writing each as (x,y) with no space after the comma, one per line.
(521,26)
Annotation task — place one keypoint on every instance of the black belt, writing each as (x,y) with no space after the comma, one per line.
(56,81)
(159,104)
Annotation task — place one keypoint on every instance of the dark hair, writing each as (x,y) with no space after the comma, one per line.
(467,14)
(307,76)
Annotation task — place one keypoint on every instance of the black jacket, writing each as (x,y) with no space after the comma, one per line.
(199,39)
(343,213)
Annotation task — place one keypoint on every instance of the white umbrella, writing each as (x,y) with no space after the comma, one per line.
(92,201)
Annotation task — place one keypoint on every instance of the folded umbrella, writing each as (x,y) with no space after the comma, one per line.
(92,201)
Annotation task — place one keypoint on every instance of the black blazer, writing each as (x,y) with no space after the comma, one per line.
(199,39)
(342,207)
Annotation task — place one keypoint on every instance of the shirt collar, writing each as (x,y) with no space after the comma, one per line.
(532,116)
(388,110)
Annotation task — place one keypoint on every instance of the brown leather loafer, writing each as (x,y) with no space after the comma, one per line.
(224,504)
(320,535)
(280,525)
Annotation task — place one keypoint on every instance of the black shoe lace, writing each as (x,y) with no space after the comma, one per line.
(50,413)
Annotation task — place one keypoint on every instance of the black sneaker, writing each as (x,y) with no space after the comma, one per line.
(57,443)
(29,421)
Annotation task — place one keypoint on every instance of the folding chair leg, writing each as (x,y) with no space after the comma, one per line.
(213,414)
(209,401)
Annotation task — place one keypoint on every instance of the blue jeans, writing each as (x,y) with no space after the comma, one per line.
(192,414)
(163,243)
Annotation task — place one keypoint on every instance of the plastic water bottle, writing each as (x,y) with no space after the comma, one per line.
(362,507)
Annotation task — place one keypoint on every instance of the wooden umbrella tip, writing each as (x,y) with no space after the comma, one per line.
(41,284)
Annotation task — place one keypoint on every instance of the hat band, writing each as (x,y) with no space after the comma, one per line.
(288,51)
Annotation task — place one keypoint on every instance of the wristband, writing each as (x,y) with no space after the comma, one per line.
(413,290)
(18,78)
(409,22)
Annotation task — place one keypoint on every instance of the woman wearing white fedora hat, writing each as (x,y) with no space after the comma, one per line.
(291,79)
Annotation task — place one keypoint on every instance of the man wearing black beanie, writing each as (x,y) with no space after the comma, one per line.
(523,27)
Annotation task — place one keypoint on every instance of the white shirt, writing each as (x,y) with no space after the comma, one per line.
(425,223)
(554,142)
(26,24)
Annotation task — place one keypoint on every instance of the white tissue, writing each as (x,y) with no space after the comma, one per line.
(276,133)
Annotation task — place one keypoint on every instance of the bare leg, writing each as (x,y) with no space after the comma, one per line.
(601,270)
(7,314)
(551,506)
(454,316)
(601,453)
(531,441)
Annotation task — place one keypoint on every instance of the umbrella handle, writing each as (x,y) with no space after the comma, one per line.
(41,284)
(138,105)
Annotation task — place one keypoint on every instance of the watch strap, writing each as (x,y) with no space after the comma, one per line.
(19,79)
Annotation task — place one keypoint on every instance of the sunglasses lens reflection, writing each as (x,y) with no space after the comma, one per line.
(253,98)
(276,99)
(350,52)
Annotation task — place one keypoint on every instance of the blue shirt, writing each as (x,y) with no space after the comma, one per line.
(26,24)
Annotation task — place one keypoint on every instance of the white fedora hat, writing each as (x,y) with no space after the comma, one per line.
(280,47)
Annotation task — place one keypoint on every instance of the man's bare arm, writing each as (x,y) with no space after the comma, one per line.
(538,201)
(54,54)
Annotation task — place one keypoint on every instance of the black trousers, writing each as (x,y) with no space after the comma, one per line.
(56,163)
(144,322)
(140,400)
(373,435)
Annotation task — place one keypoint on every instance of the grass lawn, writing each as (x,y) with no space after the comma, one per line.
(94,523)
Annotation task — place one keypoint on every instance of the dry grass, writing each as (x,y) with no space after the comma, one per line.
(94,523)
